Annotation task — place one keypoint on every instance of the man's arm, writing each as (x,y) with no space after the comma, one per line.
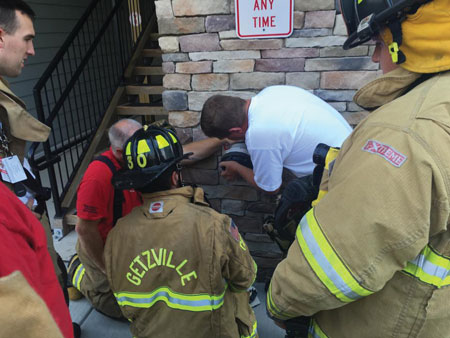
(231,171)
(202,149)
(91,240)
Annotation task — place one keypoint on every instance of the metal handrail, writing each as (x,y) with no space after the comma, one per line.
(74,92)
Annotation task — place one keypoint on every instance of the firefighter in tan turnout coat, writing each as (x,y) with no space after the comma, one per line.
(177,268)
(372,258)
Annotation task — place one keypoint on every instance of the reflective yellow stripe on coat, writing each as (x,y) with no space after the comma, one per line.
(273,309)
(174,300)
(430,267)
(254,331)
(327,265)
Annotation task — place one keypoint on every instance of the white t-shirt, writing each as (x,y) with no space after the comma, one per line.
(285,124)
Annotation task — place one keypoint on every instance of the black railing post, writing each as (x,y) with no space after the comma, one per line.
(47,151)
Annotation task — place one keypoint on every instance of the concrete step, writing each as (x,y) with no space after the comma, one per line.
(144,89)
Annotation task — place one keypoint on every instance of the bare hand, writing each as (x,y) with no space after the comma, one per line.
(229,170)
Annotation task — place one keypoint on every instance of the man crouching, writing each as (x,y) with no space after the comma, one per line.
(177,267)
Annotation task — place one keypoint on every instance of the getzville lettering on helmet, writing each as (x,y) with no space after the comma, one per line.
(149,260)
(387,152)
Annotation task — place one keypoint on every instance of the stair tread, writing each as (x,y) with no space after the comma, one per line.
(148,70)
(141,109)
(137,89)
(151,52)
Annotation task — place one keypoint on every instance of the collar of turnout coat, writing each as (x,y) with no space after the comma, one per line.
(385,89)
(22,124)
(160,204)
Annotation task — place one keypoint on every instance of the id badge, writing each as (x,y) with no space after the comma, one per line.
(14,170)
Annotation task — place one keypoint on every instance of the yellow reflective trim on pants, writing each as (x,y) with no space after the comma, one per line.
(315,331)
(174,300)
(254,331)
(326,264)
(273,310)
(78,276)
(430,267)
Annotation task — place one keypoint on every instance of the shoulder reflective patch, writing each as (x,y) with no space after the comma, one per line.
(234,231)
(156,207)
(387,152)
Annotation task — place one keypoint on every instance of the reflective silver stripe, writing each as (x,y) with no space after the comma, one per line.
(430,267)
(78,276)
(325,262)
(196,303)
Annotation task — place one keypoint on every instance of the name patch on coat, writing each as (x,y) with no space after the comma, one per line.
(156,207)
(385,151)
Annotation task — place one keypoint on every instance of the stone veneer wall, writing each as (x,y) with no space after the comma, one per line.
(202,56)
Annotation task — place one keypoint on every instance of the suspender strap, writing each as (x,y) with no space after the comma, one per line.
(118,194)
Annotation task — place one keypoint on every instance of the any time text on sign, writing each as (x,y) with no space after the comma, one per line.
(264,18)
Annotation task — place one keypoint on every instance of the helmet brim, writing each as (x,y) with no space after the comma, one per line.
(138,179)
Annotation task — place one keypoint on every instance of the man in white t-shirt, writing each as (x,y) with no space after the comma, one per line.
(281,126)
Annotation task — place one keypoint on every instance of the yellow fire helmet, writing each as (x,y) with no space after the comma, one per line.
(426,38)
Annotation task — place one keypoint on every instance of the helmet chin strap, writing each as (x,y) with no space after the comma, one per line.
(398,57)
(180,180)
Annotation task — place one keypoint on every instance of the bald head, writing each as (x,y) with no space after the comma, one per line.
(119,132)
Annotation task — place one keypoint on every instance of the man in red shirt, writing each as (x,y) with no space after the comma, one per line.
(30,295)
(95,211)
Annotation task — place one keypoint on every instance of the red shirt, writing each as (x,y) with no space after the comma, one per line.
(24,247)
(95,195)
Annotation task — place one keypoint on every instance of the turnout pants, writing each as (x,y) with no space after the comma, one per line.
(93,284)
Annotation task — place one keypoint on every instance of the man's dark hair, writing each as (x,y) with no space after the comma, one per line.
(221,113)
(162,183)
(8,19)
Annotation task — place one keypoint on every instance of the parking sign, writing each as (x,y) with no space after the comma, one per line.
(264,18)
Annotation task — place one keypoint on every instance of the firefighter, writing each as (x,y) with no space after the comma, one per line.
(17,126)
(372,258)
(177,267)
